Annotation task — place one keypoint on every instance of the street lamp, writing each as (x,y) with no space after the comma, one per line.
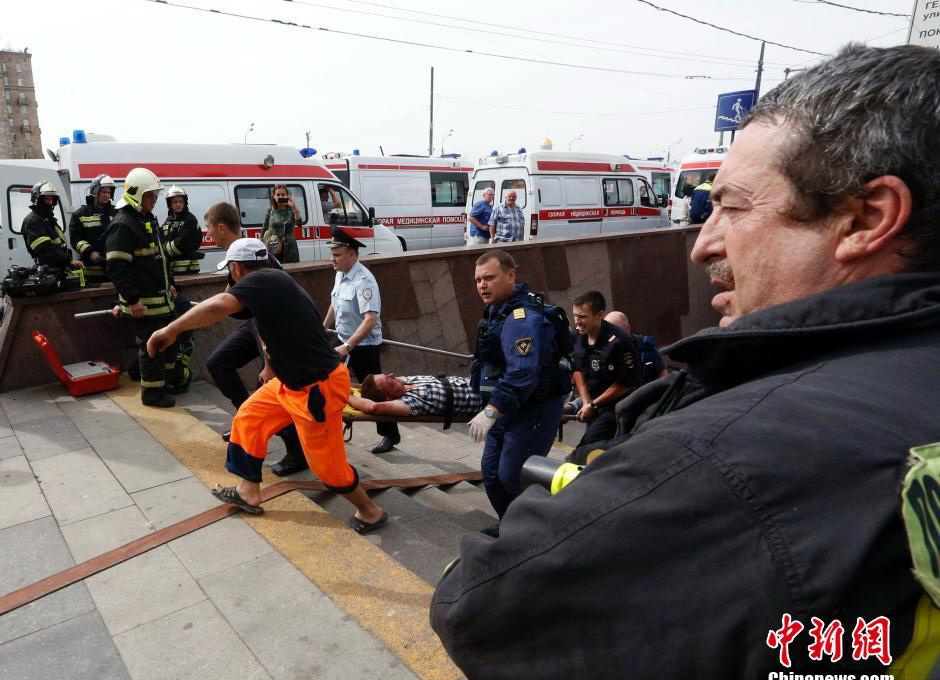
(444,138)
(250,128)
(669,148)
(576,139)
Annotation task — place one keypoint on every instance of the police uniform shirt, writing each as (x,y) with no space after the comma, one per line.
(612,359)
(355,293)
(298,348)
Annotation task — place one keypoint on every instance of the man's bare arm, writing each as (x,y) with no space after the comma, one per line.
(379,408)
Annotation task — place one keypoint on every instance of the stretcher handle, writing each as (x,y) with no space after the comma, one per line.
(408,345)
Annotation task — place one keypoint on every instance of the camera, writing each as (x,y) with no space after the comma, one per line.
(282,199)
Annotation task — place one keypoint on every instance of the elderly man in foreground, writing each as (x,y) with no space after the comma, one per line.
(776,509)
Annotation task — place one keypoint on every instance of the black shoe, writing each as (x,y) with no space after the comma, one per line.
(386,445)
(181,389)
(288,465)
(226,435)
(491,530)
(156,397)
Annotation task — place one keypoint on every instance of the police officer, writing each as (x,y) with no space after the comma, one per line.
(517,371)
(355,305)
(45,241)
(89,225)
(137,264)
(606,367)
(181,234)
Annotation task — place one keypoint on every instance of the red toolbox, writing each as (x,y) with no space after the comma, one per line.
(83,377)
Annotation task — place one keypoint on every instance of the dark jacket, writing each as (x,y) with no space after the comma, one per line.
(44,238)
(768,484)
(701,207)
(87,230)
(137,262)
(182,237)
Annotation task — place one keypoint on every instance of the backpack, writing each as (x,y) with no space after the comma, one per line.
(651,361)
(564,341)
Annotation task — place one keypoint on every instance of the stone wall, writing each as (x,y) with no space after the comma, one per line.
(428,298)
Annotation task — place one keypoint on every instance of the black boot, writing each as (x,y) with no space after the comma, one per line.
(289,464)
(386,445)
(156,397)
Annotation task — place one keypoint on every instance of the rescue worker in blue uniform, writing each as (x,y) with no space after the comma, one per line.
(88,228)
(519,373)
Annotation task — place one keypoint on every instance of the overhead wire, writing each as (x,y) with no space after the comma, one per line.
(728,30)
(571,113)
(856,9)
(413,43)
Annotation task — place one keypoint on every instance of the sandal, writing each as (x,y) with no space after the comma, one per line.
(360,526)
(229,494)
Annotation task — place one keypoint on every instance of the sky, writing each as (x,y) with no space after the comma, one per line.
(147,72)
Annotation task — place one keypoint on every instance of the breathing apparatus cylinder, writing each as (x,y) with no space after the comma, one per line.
(550,474)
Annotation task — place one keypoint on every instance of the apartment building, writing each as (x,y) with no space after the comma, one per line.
(19,115)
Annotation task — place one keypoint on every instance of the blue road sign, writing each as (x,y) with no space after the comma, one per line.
(731,109)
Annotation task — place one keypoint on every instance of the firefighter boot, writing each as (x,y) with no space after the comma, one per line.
(156,397)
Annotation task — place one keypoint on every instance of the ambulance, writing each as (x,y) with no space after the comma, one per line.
(564,193)
(16,180)
(693,170)
(421,199)
(243,175)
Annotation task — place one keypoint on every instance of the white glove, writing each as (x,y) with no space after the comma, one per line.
(479,426)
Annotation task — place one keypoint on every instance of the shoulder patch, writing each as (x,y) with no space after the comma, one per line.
(523,346)
(920,508)
(518,313)
(366,293)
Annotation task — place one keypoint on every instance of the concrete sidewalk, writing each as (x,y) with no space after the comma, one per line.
(79,477)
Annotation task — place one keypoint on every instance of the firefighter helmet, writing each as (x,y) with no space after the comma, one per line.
(172,193)
(101,182)
(137,183)
(41,189)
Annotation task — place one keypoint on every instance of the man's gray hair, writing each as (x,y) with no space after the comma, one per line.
(865,113)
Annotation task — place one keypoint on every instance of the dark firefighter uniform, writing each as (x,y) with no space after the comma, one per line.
(87,231)
(182,237)
(45,241)
(611,360)
(137,265)
(516,369)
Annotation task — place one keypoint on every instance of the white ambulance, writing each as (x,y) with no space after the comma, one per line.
(693,170)
(565,193)
(659,173)
(240,174)
(16,180)
(421,199)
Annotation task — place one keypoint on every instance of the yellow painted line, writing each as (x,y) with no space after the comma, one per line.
(386,599)
(563,446)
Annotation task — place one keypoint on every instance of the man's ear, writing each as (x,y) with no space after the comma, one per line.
(871,222)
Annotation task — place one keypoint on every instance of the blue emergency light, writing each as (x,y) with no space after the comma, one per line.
(494,152)
(355,152)
(64,140)
(78,137)
(307,152)
(521,149)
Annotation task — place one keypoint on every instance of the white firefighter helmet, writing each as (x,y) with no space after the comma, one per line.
(137,183)
(172,193)
(41,189)
(101,182)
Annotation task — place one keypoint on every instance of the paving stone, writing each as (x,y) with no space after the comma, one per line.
(78,485)
(143,589)
(30,552)
(6,430)
(219,546)
(170,503)
(97,416)
(33,403)
(204,647)
(10,447)
(49,437)
(20,497)
(96,535)
(137,459)
(77,649)
(294,629)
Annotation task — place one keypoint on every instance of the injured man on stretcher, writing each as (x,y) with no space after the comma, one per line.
(385,394)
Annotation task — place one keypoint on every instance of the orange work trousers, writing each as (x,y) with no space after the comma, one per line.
(317,412)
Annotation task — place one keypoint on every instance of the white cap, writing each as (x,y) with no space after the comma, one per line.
(245,250)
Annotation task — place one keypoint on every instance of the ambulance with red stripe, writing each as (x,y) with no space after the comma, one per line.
(243,175)
(659,173)
(570,193)
(693,170)
(422,200)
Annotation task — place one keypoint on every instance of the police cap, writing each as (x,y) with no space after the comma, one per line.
(340,238)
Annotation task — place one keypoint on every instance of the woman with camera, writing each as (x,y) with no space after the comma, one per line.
(278,233)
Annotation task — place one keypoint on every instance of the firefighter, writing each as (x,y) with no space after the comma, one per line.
(137,265)
(45,241)
(181,234)
(89,225)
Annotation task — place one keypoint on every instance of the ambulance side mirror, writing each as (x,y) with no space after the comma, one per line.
(371,216)
(663,201)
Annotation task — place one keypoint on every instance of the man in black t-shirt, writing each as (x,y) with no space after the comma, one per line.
(606,367)
(304,381)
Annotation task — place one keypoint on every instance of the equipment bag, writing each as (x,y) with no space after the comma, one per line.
(651,361)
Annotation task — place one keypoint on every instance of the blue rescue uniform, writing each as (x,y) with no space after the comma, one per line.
(516,369)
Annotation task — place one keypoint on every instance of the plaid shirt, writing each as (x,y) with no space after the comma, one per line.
(510,222)
(425,396)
